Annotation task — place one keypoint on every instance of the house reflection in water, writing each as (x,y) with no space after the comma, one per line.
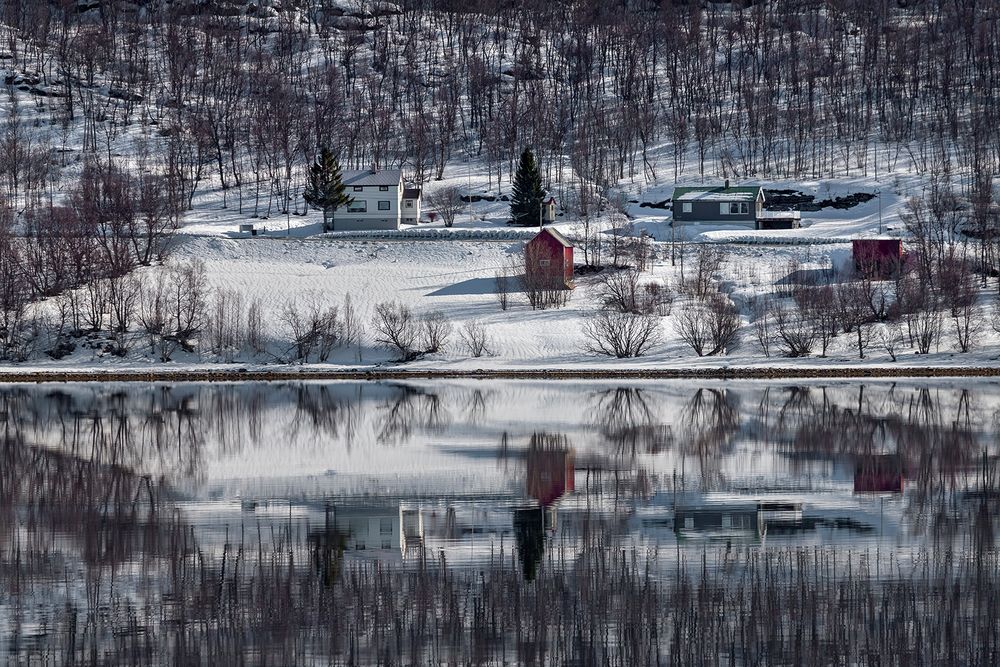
(411,534)
(370,528)
(749,519)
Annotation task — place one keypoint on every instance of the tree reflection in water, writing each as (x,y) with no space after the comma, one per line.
(101,560)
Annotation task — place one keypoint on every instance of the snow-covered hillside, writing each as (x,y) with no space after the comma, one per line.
(131,130)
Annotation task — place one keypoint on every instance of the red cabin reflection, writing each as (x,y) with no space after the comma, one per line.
(550,474)
(880,473)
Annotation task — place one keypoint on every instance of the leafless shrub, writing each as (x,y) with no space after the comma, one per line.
(891,338)
(314,328)
(958,283)
(854,313)
(710,327)
(796,333)
(927,329)
(761,316)
(226,325)
(303,339)
(476,339)
(621,335)
(397,329)
(255,330)
(153,317)
(503,280)
(352,329)
(619,290)
(656,299)
(96,305)
(968,321)
(123,294)
(434,332)
(708,262)
(818,306)
(447,202)
(187,302)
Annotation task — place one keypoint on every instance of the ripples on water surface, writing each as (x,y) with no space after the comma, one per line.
(500,522)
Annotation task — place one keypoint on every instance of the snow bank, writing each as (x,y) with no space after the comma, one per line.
(440,234)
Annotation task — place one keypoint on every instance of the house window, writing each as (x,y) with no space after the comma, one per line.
(408,203)
(359,188)
(739,208)
(385,526)
(544,262)
(686,207)
(358,207)
(383,206)
(383,188)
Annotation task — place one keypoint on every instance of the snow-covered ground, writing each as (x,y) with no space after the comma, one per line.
(457,278)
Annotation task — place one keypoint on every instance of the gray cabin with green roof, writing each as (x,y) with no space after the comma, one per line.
(741,205)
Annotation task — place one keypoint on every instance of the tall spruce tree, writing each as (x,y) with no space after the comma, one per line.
(325,190)
(528,193)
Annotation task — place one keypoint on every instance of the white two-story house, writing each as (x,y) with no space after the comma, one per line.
(380,201)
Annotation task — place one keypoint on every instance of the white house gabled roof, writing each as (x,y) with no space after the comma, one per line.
(361,177)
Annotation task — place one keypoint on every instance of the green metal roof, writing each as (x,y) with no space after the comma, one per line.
(721,193)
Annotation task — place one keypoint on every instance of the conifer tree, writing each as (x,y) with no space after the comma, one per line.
(325,190)
(528,193)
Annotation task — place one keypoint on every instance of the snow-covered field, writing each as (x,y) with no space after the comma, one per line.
(457,278)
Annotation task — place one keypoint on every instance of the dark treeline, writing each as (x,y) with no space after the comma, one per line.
(244,93)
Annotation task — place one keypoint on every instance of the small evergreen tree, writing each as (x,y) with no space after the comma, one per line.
(325,190)
(528,193)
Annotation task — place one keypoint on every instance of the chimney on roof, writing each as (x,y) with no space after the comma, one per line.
(727,183)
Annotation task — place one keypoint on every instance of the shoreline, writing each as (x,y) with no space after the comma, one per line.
(374,375)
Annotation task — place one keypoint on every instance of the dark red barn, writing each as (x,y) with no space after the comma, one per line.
(548,260)
(877,257)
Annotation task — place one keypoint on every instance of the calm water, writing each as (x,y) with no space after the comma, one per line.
(499,523)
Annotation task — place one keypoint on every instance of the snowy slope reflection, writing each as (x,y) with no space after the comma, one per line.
(138,521)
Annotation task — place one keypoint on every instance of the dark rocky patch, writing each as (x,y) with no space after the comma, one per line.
(664,205)
(793,200)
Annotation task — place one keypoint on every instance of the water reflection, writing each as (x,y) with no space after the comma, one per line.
(131,515)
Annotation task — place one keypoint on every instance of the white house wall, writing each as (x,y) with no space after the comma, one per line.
(347,220)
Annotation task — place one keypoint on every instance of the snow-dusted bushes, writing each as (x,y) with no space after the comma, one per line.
(173,308)
(410,337)
(622,335)
(317,329)
(476,339)
(710,326)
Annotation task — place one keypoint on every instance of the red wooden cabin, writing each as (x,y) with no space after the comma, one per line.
(548,260)
(877,257)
